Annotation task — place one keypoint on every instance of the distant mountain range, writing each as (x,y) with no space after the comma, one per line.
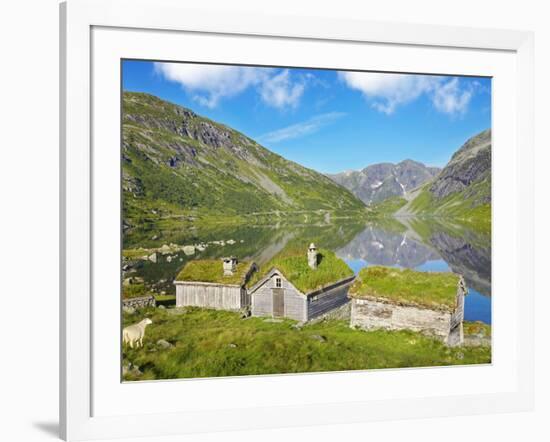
(175,160)
(378,182)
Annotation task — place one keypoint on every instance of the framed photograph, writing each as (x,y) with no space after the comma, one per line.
(321,220)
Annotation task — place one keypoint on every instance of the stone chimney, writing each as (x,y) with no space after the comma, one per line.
(229,265)
(312,256)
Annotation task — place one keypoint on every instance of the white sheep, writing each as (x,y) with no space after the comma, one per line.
(134,333)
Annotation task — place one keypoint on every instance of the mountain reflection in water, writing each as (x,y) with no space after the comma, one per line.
(413,243)
(441,248)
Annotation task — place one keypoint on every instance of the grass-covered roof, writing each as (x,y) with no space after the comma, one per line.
(409,287)
(211,270)
(292,263)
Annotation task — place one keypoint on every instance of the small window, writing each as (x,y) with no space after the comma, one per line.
(278,283)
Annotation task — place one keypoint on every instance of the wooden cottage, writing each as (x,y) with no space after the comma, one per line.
(397,299)
(217,284)
(301,286)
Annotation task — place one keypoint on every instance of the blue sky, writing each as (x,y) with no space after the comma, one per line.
(324,119)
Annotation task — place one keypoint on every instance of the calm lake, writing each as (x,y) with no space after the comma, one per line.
(424,245)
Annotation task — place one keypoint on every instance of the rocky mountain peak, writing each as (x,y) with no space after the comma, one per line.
(379,181)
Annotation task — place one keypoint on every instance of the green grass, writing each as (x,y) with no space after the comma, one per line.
(425,289)
(211,270)
(462,207)
(477,328)
(292,262)
(209,343)
(133,291)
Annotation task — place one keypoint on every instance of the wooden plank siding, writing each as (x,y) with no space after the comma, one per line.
(325,300)
(210,295)
(295,304)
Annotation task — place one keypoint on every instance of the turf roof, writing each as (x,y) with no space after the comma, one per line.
(211,270)
(406,286)
(292,263)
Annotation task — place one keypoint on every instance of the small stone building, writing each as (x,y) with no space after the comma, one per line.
(276,294)
(216,284)
(402,299)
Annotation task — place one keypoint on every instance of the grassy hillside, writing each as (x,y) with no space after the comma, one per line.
(462,190)
(388,206)
(462,206)
(207,343)
(175,162)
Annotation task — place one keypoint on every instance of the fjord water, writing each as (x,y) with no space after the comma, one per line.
(440,251)
(420,244)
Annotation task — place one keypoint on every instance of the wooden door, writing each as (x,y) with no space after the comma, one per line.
(278,303)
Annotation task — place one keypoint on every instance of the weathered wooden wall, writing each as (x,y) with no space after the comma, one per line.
(324,301)
(295,303)
(371,314)
(216,296)
(458,315)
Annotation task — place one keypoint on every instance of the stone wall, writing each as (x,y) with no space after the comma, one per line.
(341,313)
(141,302)
(372,314)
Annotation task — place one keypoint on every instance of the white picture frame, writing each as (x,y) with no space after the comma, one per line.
(83,413)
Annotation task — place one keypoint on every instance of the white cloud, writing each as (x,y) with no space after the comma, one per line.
(209,84)
(298,130)
(450,99)
(386,91)
(279,91)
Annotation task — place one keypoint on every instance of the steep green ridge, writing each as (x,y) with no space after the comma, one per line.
(175,162)
(462,191)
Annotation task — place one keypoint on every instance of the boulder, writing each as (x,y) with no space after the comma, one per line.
(162,343)
(189,250)
(152,257)
(318,338)
(245,312)
(131,369)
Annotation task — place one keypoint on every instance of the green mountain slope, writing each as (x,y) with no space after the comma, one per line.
(177,162)
(463,188)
